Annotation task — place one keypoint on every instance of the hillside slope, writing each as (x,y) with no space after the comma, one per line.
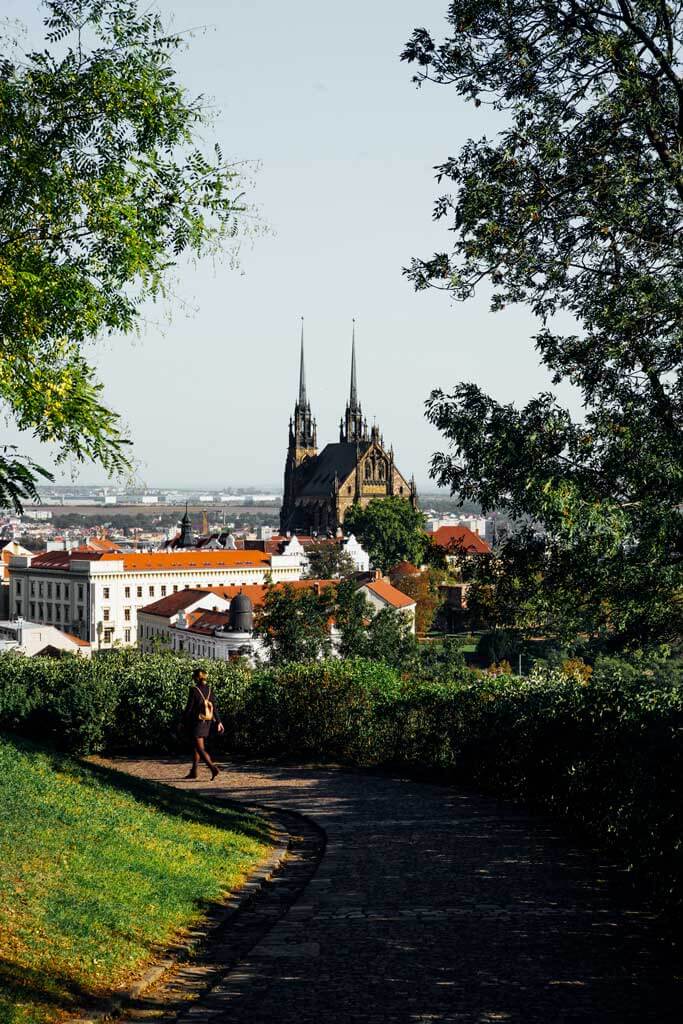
(95,870)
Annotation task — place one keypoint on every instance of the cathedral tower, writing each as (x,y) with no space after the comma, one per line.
(303,442)
(353,428)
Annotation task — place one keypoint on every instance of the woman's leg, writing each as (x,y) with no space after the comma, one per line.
(202,752)
(192,774)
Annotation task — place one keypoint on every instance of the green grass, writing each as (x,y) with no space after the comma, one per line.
(96,870)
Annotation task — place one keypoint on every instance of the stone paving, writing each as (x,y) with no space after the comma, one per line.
(430,904)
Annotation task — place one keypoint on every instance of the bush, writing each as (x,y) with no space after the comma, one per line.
(603,750)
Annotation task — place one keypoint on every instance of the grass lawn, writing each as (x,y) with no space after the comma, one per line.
(96,868)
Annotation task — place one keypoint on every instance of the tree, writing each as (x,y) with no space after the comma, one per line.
(424,588)
(328,560)
(574,210)
(381,636)
(102,189)
(390,530)
(294,624)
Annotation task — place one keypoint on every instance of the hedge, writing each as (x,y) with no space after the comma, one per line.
(603,753)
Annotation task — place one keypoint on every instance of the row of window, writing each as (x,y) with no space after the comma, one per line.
(49,589)
(39,612)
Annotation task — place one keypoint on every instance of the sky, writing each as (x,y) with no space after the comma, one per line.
(316,95)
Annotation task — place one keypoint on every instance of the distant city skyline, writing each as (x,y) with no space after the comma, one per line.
(347,147)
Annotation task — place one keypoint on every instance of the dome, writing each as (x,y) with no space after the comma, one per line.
(241,614)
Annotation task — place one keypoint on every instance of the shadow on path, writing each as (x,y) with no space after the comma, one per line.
(435,905)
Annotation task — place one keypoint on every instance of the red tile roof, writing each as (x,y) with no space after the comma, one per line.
(156,561)
(206,622)
(159,561)
(453,537)
(256,592)
(173,603)
(390,595)
(76,639)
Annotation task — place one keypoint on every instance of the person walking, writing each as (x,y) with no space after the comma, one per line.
(200,714)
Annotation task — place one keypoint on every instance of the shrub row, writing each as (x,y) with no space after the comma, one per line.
(604,753)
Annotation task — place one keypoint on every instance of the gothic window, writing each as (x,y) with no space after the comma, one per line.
(381,470)
(368,470)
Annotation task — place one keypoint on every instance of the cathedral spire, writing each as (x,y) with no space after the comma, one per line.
(353,399)
(302,371)
(302,429)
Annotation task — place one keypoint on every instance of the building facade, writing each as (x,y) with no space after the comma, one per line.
(320,486)
(96,596)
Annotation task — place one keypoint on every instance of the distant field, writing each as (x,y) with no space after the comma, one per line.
(96,869)
(101,512)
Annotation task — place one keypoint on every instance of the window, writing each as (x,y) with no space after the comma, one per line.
(163,591)
(80,591)
(40,611)
(139,591)
(17,610)
(49,590)
(126,635)
(66,591)
(151,591)
(33,588)
(79,613)
(33,609)
(175,588)
(40,590)
(126,615)
(18,587)
(127,591)
(58,612)
(105,593)
(108,634)
(105,614)
(58,590)
(48,610)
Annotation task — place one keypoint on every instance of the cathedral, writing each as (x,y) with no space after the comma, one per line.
(321,486)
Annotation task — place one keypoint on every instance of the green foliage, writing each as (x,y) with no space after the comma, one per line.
(603,750)
(293,624)
(575,210)
(105,870)
(390,530)
(424,588)
(498,645)
(364,633)
(329,561)
(102,187)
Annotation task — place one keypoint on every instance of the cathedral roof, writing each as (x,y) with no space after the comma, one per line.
(335,459)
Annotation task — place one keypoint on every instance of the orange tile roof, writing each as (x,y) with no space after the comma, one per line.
(172,603)
(76,639)
(159,561)
(256,592)
(460,537)
(390,594)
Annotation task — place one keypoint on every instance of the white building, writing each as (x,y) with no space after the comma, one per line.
(97,595)
(479,525)
(34,638)
(357,554)
(381,595)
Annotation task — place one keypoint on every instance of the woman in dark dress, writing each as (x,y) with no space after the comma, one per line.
(199,725)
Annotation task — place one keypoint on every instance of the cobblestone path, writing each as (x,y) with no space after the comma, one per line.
(435,905)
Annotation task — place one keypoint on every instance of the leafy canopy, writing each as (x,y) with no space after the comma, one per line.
(574,210)
(390,530)
(294,624)
(103,186)
(328,560)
